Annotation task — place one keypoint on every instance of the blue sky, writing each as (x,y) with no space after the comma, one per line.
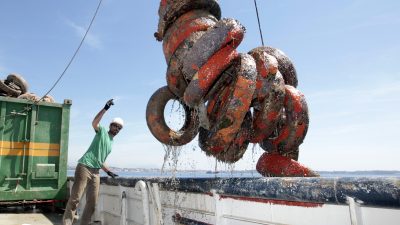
(346,53)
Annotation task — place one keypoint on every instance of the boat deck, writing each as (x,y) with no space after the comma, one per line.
(28,216)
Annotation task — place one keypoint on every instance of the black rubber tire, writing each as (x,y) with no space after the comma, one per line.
(19,81)
(235,151)
(295,125)
(286,66)
(156,121)
(175,9)
(10,91)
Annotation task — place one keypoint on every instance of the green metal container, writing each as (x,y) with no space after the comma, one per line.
(33,150)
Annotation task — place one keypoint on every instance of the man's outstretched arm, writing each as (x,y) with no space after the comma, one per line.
(97,118)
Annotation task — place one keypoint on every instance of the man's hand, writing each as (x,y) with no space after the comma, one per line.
(111,174)
(109,104)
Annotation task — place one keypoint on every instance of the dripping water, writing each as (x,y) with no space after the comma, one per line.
(175,116)
(253,152)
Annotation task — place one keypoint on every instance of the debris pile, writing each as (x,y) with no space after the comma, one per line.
(16,86)
(230,98)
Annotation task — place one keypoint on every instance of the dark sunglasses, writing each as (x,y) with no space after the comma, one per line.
(117,125)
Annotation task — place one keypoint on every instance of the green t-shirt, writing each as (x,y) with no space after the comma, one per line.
(98,151)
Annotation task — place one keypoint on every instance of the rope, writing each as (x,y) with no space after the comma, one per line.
(76,52)
(259,25)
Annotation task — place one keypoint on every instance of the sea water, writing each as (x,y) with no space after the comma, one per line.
(232,174)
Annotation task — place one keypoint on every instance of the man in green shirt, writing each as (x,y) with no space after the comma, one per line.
(87,171)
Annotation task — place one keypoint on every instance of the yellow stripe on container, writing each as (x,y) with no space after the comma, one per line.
(8,148)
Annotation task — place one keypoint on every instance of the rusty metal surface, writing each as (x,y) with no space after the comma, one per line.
(249,97)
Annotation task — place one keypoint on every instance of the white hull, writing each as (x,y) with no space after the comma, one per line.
(132,202)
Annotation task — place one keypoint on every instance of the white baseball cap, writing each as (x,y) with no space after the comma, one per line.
(118,120)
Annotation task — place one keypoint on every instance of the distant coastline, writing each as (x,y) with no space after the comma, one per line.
(323,173)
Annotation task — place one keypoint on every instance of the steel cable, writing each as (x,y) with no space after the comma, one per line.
(75,53)
(28,108)
(259,24)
